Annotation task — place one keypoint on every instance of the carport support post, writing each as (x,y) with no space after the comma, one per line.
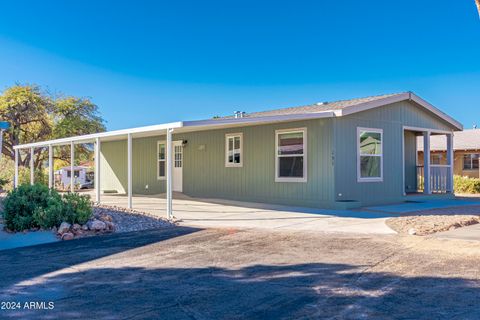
(72,172)
(129,170)
(50,166)
(32,169)
(169,163)
(15,177)
(450,163)
(97,170)
(426,162)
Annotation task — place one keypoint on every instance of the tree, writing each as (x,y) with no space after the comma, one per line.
(36,116)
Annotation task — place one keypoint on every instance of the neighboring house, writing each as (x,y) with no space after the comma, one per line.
(466,147)
(331,155)
(64,175)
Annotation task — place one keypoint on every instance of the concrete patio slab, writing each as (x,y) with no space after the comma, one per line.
(470,233)
(413,206)
(215,213)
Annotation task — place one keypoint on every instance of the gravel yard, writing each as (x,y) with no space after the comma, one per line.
(435,220)
(127,220)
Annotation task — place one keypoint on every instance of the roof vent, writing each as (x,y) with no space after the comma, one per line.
(239,114)
(322,103)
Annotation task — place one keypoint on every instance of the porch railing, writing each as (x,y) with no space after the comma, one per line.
(438,178)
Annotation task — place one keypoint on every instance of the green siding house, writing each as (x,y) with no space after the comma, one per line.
(339,154)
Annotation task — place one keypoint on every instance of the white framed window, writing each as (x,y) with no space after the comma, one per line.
(470,161)
(369,155)
(291,155)
(161,160)
(234,150)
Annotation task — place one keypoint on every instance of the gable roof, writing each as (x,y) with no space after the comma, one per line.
(462,140)
(318,107)
(346,107)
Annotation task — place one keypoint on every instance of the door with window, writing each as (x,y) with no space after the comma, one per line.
(177,166)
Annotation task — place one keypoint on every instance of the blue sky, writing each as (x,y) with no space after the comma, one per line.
(147,62)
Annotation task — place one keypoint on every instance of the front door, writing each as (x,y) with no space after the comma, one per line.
(177,166)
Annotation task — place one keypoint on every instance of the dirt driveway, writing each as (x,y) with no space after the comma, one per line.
(185,273)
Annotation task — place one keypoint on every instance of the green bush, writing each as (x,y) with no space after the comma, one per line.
(77,208)
(466,185)
(38,206)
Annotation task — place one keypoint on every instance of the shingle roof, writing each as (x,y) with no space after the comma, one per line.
(317,107)
(462,140)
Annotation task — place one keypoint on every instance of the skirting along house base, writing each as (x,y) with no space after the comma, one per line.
(340,154)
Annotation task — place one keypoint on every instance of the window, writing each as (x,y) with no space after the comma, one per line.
(370,155)
(291,151)
(161,160)
(436,159)
(233,150)
(470,161)
(76,173)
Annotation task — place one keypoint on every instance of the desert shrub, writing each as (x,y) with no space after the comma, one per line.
(77,208)
(38,206)
(21,203)
(3,183)
(466,184)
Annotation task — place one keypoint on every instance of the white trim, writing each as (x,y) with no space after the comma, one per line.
(420,129)
(372,179)
(129,170)
(164,160)
(169,173)
(305,155)
(227,137)
(32,168)
(97,170)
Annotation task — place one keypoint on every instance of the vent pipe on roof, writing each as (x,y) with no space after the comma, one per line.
(239,114)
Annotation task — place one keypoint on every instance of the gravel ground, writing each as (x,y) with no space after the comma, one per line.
(127,220)
(435,220)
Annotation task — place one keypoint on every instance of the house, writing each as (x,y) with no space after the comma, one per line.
(63,175)
(339,154)
(466,148)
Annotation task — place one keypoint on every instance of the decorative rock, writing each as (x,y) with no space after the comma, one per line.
(67,236)
(97,225)
(106,218)
(110,226)
(76,227)
(85,227)
(412,231)
(64,227)
(54,229)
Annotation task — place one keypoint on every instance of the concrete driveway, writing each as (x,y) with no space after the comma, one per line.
(215,213)
(186,273)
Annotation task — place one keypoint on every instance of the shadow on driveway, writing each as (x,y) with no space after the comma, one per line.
(267,291)
(19,264)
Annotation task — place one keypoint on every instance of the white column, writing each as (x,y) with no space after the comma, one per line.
(450,162)
(15,177)
(1,143)
(50,166)
(129,170)
(169,163)
(72,163)
(32,169)
(426,162)
(97,170)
